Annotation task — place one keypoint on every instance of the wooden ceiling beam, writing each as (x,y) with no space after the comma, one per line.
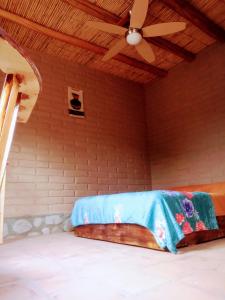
(195,16)
(102,14)
(173,48)
(125,21)
(74,41)
(94,10)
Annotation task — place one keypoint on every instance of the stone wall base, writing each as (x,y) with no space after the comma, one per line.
(36,225)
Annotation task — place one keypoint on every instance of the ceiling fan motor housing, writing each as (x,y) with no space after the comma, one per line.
(134,36)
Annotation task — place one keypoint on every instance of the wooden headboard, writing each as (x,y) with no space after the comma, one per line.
(216,190)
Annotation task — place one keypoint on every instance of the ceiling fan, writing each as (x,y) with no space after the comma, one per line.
(135,34)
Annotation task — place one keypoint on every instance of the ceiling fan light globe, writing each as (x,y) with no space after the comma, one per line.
(134,38)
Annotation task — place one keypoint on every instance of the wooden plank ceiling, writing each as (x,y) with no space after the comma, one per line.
(57,27)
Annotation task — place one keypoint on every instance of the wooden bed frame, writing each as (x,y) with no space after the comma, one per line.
(136,235)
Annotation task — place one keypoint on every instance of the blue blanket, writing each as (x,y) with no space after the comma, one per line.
(168,215)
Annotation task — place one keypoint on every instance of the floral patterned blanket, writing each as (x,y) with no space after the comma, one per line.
(168,215)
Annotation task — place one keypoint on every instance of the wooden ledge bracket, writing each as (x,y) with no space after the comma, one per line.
(10,100)
(22,78)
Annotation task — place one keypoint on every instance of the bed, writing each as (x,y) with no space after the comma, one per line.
(140,235)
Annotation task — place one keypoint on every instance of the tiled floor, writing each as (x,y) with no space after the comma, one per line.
(63,267)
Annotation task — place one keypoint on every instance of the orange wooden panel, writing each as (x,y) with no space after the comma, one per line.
(129,234)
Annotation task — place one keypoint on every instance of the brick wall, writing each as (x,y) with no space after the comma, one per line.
(56,158)
(186,121)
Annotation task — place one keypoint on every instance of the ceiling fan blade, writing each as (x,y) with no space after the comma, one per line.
(115,49)
(145,50)
(110,28)
(163,29)
(138,13)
